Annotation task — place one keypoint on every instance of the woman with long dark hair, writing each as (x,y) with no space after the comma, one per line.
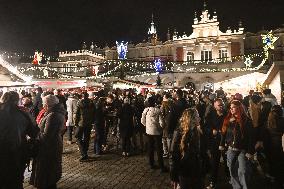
(185,152)
(237,135)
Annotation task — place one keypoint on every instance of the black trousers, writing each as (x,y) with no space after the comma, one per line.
(11,172)
(125,144)
(190,183)
(83,138)
(214,164)
(155,143)
(69,133)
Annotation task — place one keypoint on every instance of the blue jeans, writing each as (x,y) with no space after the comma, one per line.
(238,167)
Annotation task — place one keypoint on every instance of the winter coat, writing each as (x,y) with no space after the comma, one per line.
(179,106)
(188,164)
(235,138)
(15,126)
(126,120)
(213,121)
(99,119)
(166,110)
(254,112)
(71,104)
(47,166)
(270,98)
(38,103)
(85,113)
(152,119)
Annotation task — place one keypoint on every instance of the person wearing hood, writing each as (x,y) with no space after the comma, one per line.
(47,166)
(152,119)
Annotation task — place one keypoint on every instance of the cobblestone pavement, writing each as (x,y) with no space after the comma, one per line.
(111,170)
(107,171)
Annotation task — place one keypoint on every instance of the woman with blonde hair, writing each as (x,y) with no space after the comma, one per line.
(237,135)
(185,152)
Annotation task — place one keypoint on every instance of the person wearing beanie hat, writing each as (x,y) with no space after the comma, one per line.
(47,166)
(50,101)
(238,96)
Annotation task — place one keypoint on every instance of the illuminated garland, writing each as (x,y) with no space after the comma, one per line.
(142,68)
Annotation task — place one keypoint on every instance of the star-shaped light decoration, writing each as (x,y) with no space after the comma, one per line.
(248,62)
(268,40)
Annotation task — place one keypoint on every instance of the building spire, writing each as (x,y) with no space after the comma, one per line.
(168,35)
(152,30)
(204,5)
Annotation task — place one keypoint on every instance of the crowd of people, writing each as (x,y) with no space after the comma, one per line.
(193,129)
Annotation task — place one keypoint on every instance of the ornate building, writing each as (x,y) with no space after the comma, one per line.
(206,42)
(200,58)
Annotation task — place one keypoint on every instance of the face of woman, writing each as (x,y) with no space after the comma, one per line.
(233,109)
(26,101)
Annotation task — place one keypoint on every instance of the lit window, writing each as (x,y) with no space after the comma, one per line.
(189,56)
(223,53)
(206,55)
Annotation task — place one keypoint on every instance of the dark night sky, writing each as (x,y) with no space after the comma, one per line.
(58,25)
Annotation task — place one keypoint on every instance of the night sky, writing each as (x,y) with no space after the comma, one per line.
(58,25)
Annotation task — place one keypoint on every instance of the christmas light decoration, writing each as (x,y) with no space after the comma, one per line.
(37,58)
(268,40)
(121,50)
(15,70)
(248,62)
(158,65)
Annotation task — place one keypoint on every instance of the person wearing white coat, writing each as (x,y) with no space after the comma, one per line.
(71,104)
(153,121)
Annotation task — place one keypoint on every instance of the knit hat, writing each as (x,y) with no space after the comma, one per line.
(50,100)
(238,96)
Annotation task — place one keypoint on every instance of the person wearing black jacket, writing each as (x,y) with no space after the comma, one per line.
(237,134)
(16,125)
(83,121)
(126,126)
(179,106)
(213,125)
(99,125)
(185,169)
